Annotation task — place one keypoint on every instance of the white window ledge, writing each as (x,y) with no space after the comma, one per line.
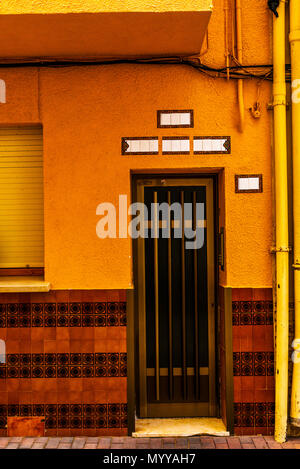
(23,284)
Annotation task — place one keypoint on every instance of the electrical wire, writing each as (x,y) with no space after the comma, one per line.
(237,71)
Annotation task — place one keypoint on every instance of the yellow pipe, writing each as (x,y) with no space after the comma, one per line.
(282,239)
(295,62)
(239,46)
(226,9)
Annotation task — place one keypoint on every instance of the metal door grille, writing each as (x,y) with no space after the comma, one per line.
(177,321)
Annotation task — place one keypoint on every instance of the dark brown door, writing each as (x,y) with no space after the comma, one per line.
(176,299)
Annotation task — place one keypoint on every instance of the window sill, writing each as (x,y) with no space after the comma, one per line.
(23,284)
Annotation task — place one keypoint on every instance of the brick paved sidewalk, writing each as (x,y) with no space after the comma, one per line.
(203,442)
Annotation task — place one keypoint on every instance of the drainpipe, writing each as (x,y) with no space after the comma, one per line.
(282,238)
(239,48)
(295,62)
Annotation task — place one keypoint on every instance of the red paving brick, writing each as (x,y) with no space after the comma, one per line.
(115,443)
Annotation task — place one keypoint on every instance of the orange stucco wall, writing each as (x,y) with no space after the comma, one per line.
(86,110)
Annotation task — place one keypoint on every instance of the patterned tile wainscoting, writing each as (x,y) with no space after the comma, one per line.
(253,361)
(65,362)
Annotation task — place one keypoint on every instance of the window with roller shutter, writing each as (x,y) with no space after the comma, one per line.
(21,197)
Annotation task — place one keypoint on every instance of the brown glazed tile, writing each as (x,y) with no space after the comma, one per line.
(3,397)
(29,426)
(13,397)
(12,346)
(25,385)
(261,430)
(122,295)
(63,384)
(88,396)
(12,334)
(259,339)
(2,385)
(242,294)
(12,385)
(113,295)
(76,384)
(49,333)
(75,333)
(247,395)
(101,333)
(246,339)
(247,384)
(47,397)
(25,397)
(63,346)
(236,341)
(100,396)
(64,333)
(50,346)
(37,334)
(36,347)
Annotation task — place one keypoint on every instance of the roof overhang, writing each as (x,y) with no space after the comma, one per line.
(109,33)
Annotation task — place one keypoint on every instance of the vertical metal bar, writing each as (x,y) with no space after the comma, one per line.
(184,371)
(196,302)
(156,222)
(170,299)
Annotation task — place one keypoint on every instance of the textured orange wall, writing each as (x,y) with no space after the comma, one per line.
(86,110)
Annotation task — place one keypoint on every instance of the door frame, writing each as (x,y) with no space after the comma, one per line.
(138,336)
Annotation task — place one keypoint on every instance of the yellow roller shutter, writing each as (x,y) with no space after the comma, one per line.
(21,197)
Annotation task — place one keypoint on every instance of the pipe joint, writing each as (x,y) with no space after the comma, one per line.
(294,36)
(279,100)
(275,250)
(296,266)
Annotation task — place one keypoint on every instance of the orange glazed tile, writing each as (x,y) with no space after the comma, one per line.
(75,333)
(76,384)
(260,383)
(25,384)
(50,346)
(246,338)
(63,333)
(3,397)
(122,295)
(242,294)
(51,432)
(12,384)
(247,383)
(88,397)
(25,397)
(48,398)
(63,384)
(101,333)
(88,384)
(25,426)
(13,334)
(63,346)
(100,397)
(13,397)
(261,430)
(117,395)
(236,342)
(37,334)
(36,347)
(113,295)
(75,397)
(87,333)
(247,395)
(259,339)
(12,346)
(49,333)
